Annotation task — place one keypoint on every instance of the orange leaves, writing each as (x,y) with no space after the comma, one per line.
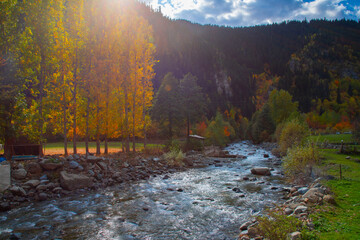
(263,83)
(201,128)
(226,131)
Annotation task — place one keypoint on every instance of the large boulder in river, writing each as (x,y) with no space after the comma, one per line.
(263,171)
(70,181)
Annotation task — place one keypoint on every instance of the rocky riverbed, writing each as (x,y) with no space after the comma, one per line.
(141,197)
(52,177)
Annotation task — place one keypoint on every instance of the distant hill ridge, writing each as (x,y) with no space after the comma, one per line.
(306,56)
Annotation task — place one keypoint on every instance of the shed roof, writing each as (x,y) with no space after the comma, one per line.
(197,137)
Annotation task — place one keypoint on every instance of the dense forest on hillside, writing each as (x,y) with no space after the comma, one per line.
(75,69)
(306,56)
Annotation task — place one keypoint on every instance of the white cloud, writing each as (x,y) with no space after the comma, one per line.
(254,12)
(321,8)
(357,9)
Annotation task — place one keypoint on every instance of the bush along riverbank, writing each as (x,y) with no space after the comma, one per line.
(326,208)
(291,220)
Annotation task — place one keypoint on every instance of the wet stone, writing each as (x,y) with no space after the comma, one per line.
(237,190)
(4,206)
(43,196)
(73,165)
(19,174)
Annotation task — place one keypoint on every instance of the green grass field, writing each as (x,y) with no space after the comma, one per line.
(332,138)
(343,220)
(58,147)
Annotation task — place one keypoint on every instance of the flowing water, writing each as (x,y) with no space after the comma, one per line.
(202,203)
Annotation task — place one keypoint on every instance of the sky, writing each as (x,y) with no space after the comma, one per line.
(256,12)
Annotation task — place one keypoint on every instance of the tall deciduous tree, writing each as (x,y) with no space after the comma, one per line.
(76,29)
(193,100)
(36,52)
(167,107)
(10,84)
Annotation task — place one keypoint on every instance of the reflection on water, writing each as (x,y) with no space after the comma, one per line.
(203,203)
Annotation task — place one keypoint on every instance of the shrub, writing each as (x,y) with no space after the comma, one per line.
(194,144)
(300,160)
(292,134)
(153,150)
(356,132)
(277,226)
(175,157)
(261,126)
(219,132)
(173,145)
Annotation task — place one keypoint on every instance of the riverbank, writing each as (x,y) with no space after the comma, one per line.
(327,208)
(56,176)
(207,201)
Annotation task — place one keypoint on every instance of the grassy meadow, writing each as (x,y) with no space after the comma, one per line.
(340,221)
(58,147)
(332,138)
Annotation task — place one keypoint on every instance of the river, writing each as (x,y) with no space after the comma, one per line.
(200,203)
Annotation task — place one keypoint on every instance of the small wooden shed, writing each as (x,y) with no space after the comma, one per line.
(198,138)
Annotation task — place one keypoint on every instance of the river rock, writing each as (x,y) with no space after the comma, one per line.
(213,151)
(4,206)
(73,164)
(288,211)
(313,195)
(41,188)
(329,199)
(244,236)
(43,196)
(15,236)
(18,191)
(50,166)
(93,159)
(116,175)
(237,190)
(50,186)
(188,162)
(44,181)
(295,236)
(102,165)
(245,226)
(300,209)
(57,190)
(32,183)
(91,173)
(43,177)
(264,171)
(19,174)
(70,181)
(34,168)
(303,190)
